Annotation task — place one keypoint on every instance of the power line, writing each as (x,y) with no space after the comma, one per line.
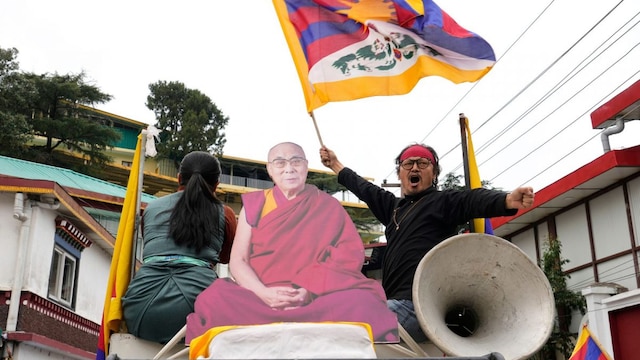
(477,82)
(603,47)
(555,88)
(572,151)
(549,93)
(622,271)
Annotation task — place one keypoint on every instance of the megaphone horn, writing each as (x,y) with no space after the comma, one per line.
(476,294)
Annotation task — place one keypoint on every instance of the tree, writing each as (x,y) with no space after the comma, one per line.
(454,182)
(55,116)
(188,119)
(45,105)
(14,135)
(8,61)
(326,182)
(566,301)
(362,218)
(15,130)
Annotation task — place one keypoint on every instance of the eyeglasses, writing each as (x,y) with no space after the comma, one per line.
(422,164)
(294,161)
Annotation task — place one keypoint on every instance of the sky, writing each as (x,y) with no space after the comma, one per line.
(529,116)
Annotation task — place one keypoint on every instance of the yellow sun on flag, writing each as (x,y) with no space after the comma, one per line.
(363,10)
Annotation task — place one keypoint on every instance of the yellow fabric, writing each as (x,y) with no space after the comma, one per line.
(583,340)
(120,271)
(474,174)
(297,54)
(319,93)
(269,203)
(199,346)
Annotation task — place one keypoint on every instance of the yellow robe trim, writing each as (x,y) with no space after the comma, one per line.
(269,203)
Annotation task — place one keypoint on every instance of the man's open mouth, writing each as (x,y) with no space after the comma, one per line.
(414,180)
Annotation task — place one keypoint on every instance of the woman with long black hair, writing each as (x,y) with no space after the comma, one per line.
(185,235)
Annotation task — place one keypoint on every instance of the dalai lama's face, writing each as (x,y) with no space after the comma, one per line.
(288,167)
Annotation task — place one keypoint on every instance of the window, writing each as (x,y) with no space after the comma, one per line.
(69,242)
(62,276)
(126,163)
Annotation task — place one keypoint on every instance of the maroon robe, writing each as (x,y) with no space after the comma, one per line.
(307,242)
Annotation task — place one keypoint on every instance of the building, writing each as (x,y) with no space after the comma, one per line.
(239,175)
(58,239)
(60,228)
(595,213)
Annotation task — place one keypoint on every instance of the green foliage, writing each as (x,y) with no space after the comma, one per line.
(45,105)
(15,133)
(362,218)
(325,182)
(454,182)
(189,121)
(8,61)
(15,130)
(55,116)
(566,301)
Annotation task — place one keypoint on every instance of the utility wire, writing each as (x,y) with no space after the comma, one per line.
(536,79)
(566,155)
(467,93)
(622,271)
(555,88)
(559,85)
(559,132)
(446,116)
(555,62)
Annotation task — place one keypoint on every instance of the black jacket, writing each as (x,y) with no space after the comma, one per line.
(420,223)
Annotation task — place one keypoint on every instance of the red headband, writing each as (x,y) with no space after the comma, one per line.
(417,150)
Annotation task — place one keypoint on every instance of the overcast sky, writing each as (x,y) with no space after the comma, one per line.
(235,53)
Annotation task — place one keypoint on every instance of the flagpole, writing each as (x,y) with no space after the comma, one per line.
(315,124)
(465,158)
(134,253)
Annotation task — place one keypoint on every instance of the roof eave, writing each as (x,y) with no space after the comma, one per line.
(69,207)
(600,173)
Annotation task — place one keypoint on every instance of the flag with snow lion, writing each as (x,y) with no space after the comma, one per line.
(350,49)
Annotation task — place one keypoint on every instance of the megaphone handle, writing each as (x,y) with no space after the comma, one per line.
(413,345)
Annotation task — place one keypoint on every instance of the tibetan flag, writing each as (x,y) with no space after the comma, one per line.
(479,225)
(121,262)
(588,348)
(351,49)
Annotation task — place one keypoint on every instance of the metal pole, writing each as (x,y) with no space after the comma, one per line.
(465,158)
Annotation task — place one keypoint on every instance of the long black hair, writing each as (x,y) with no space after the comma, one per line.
(194,219)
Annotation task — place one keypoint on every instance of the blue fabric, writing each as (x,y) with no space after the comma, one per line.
(488,229)
(407,318)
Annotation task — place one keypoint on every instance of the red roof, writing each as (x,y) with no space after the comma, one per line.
(600,173)
(625,105)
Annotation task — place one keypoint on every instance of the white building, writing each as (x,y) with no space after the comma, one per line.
(595,213)
(57,242)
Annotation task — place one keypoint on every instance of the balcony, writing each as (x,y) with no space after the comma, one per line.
(245,182)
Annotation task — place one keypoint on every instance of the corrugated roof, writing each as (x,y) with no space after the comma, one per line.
(64,177)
